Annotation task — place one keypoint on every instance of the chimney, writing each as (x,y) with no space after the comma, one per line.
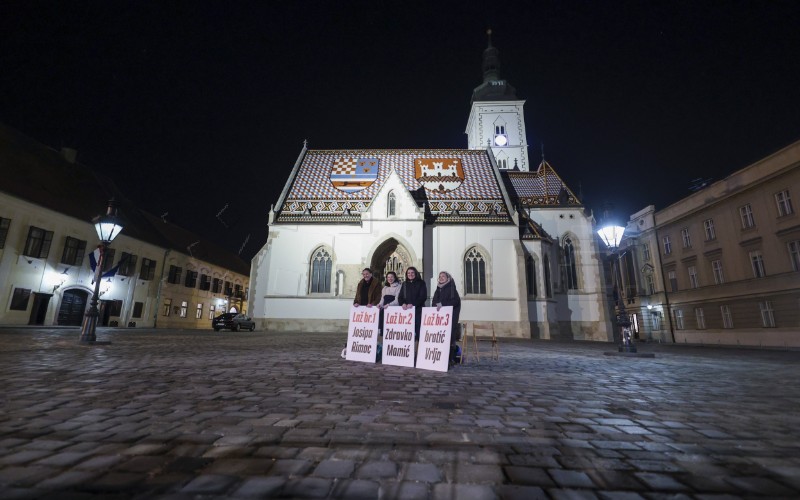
(69,154)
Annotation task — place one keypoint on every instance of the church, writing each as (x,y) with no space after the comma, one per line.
(518,242)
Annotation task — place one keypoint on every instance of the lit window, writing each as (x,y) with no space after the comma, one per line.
(693,276)
(667,245)
(211,310)
(757,262)
(746,214)
(794,254)
(321,267)
(700,316)
(784,202)
(167,306)
(727,318)
(708,225)
(184,308)
(687,239)
(767,314)
(474,272)
(678,319)
(716,268)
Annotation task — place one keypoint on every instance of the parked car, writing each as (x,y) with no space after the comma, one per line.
(233,322)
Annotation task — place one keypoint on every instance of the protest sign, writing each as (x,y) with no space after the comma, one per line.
(362,334)
(398,336)
(434,338)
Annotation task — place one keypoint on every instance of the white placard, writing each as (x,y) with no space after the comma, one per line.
(398,336)
(434,338)
(362,334)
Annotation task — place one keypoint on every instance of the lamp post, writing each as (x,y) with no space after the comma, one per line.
(612,237)
(108,227)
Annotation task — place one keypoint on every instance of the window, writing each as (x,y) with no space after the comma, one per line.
(667,245)
(687,239)
(673,280)
(211,310)
(228,289)
(693,276)
(757,261)
(646,251)
(651,284)
(321,266)
(205,282)
(4,225)
(184,308)
(716,268)
(767,315)
(570,272)
(38,243)
(191,279)
(108,259)
(148,270)
(167,306)
(794,254)
(216,285)
(727,318)
(502,163)
(73,251)
(138,307)
(19,301)
(746,213)
(392,202)
(708,225)
(237,291)
(127,264)
(530,276)
(114,308)
(656,321)
(499,130)
(784,202)
(678,319)
(174,276)
(700,317)
(474,272)
(548,285)
(199,313)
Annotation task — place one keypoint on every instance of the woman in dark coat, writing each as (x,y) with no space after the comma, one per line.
(413,293)
(447,295)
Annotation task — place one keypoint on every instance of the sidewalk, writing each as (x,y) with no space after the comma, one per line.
(201,414)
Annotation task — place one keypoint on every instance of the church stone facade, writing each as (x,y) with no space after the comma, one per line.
(518,242)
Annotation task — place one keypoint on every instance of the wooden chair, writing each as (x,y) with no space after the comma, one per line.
(473,336)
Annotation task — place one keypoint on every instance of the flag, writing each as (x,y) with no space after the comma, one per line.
(93,258)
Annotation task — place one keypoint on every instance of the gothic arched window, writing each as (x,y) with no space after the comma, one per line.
(391,204)
(474,272)
(321,266)
(569,266)
(530,276)
(548,288)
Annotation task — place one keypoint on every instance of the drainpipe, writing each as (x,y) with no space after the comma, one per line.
(663,280)
(160,284)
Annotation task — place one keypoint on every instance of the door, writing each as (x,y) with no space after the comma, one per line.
(73,307)
(39,309)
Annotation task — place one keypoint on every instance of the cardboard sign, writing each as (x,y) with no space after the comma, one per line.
(434,338)
(362,334)
(398,336)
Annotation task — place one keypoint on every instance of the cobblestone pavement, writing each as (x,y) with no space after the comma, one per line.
(199,414)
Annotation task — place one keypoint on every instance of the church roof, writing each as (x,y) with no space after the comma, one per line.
(540,188)
(456,185)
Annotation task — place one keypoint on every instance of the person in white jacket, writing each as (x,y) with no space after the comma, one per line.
(388,295)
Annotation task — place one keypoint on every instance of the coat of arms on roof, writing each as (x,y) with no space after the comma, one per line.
(439,174)
(354,174)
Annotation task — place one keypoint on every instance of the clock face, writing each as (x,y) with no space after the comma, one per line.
(500,140)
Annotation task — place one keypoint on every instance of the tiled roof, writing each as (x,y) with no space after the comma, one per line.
(457,185)
(540,188)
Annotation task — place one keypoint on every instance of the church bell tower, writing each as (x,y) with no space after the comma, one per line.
(496,118)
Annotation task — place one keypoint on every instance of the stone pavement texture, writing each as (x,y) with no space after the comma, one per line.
(204,415)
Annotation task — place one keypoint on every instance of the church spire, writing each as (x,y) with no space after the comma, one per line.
(493,88)
(491,61)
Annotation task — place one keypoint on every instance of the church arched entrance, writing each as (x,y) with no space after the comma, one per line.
(73,307)
(391,255)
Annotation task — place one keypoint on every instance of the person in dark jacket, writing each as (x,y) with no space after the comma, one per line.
(368,291)
(446,294)
(413,293)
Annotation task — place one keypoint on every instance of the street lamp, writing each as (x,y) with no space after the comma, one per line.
(612,237)
(108,226)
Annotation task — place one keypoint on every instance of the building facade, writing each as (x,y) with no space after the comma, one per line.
(151,275)
(721,266)
(519,243)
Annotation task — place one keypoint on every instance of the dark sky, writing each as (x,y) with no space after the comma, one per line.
(195,106)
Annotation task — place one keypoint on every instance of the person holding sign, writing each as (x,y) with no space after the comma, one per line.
(389,295)
(447,295)
(368,291)
(413,293)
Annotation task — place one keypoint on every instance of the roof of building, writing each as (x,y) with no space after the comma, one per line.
(455,185)
(544,187)
(54,180)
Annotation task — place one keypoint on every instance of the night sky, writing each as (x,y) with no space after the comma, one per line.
(192,107)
